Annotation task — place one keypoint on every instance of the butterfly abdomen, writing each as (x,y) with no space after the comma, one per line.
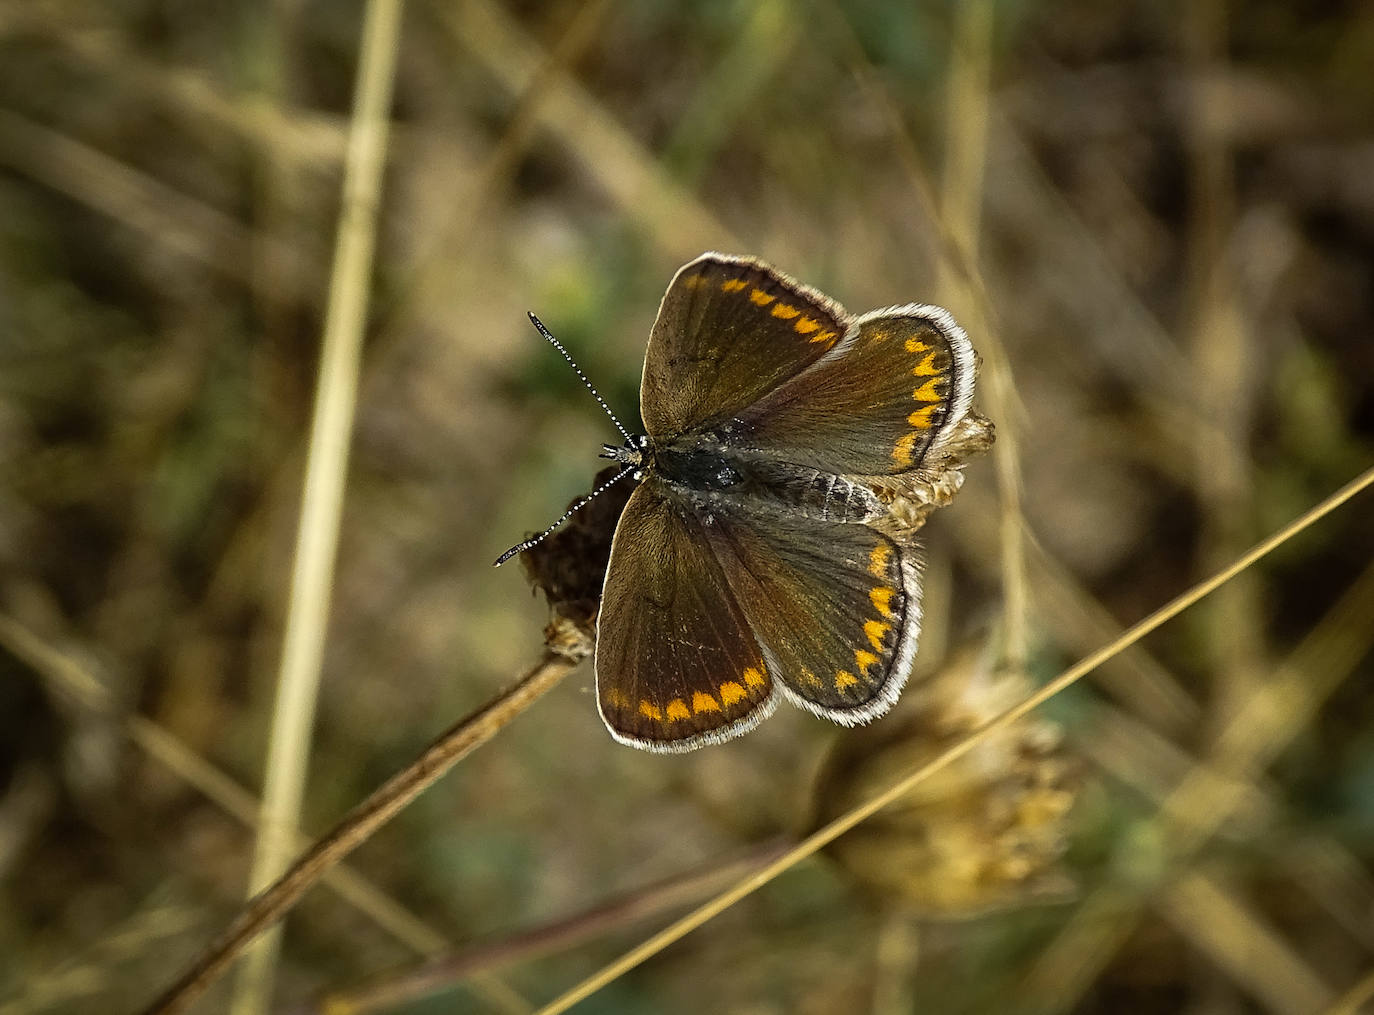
(822,495)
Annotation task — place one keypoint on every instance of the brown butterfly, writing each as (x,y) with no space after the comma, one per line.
(757,556)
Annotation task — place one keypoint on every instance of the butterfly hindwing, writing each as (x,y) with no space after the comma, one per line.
(898,382)
(836,608)
(676,664)
(729,330)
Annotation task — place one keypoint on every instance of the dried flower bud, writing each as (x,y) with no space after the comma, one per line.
(569,567)
(985,832)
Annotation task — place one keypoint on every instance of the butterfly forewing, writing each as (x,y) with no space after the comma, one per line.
(729,330)
(676,664)
(877,403)
(836,608)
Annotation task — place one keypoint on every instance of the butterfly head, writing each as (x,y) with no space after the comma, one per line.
(636,453)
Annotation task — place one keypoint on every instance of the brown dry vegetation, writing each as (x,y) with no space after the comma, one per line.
(1171,212)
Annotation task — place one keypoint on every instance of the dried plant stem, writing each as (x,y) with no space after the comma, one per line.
(966,123)
(827,834)
(177,223)
(961,202)
(452,236)
(1354,999)
(1006,459)
(317,534)
(897,956)
(1222,353)
(1241,940)
(628,173)
(266,908)
(444,972)
(66,676)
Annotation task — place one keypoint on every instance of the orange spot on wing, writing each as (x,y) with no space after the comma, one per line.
(733,285)
(677,709)
(810,678)
(785,310)
(927,367)
(927,392)
(753,675)
(731,692)
(694,281)
(902,450)
(845,679)
(760,298)
(878,558)
(863,660)
(878,335)
(703,702)
(921,419)
(881,596)
(806,325)
(825,336)
(650,711)
(915,345)
(877,632)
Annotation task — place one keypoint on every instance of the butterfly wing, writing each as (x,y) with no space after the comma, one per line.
(898,382)
(676,664)
(729,330)
(836,608)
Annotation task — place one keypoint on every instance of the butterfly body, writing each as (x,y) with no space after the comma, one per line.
(759,556)
(700,472)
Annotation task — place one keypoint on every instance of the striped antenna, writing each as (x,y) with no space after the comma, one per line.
(536,540)
(573,363)
(631,454)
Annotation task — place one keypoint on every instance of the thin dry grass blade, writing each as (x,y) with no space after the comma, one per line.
(317,534)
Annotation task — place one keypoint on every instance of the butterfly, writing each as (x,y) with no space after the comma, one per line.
(756,558)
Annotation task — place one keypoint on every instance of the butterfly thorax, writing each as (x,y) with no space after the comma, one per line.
(708,475)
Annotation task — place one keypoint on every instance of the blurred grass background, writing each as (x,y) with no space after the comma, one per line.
(1172,208)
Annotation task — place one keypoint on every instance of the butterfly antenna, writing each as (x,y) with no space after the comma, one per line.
(573,363)
(536,540)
